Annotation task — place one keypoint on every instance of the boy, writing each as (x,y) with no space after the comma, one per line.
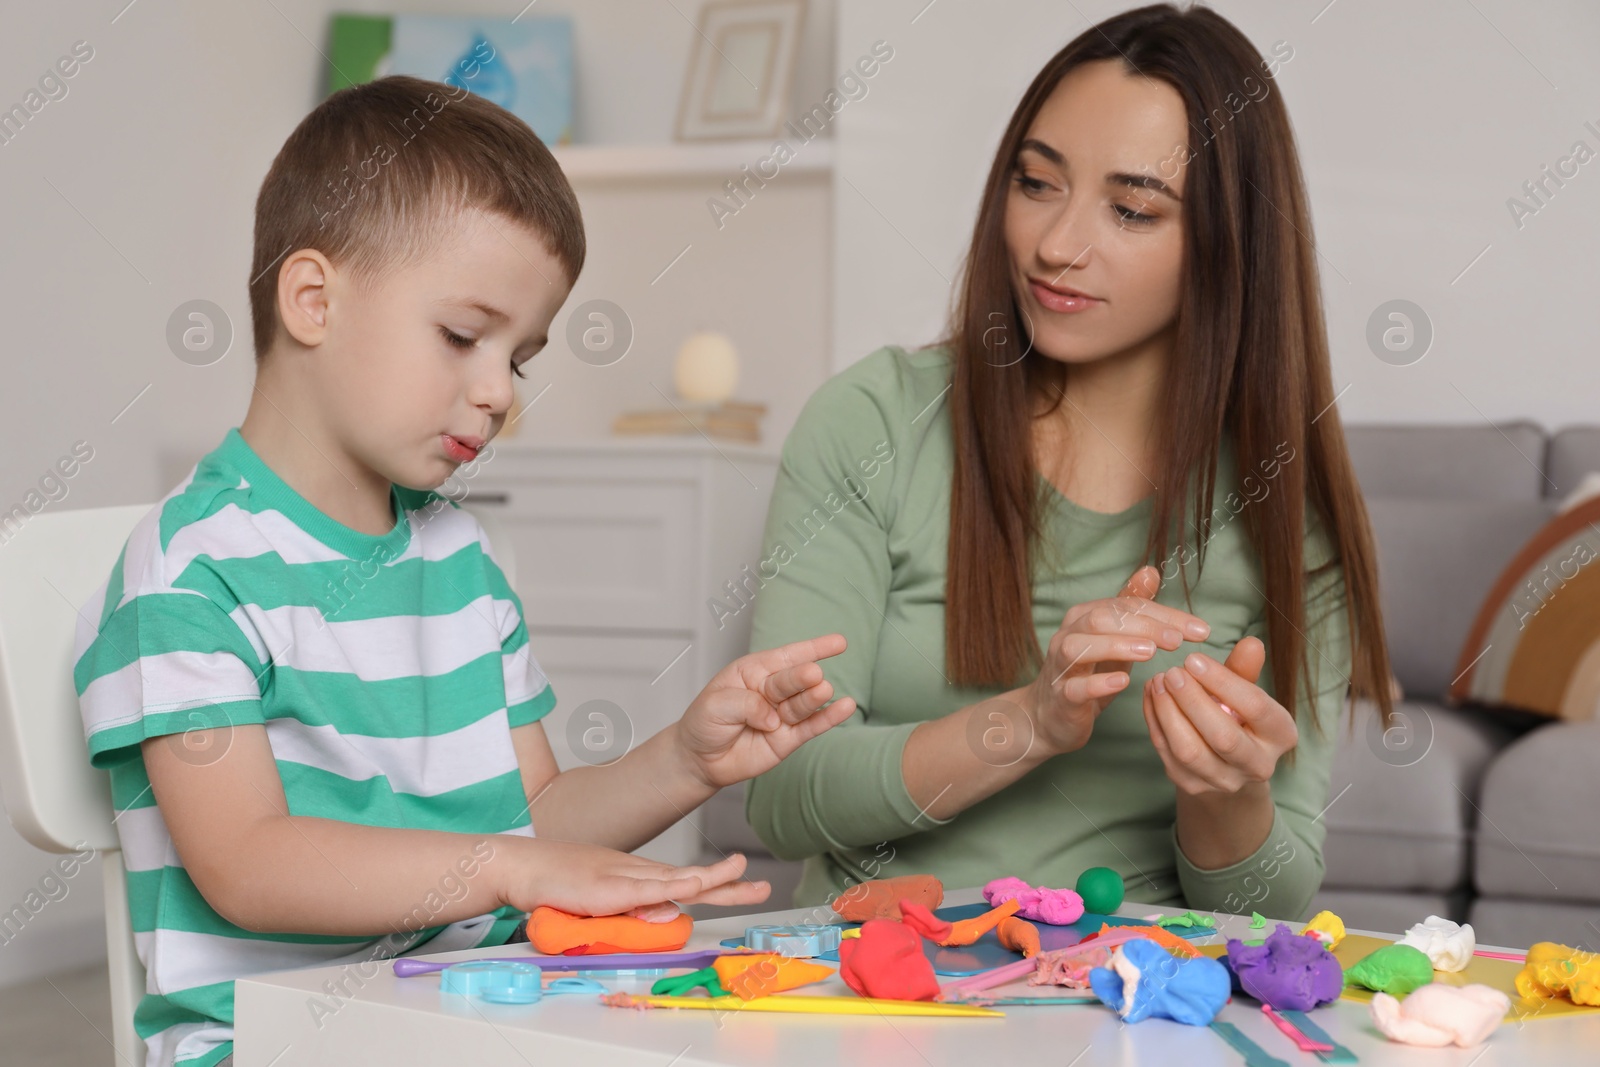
(307,676)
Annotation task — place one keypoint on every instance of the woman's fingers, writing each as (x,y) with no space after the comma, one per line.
(1135,615)
(1185,744)
(1080,652)
(1082,688)
(1250,703)
(1180,775)
(1220,731)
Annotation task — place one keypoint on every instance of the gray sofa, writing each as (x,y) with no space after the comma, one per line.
(1475,816)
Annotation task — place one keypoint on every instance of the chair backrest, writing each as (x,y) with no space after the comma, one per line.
(48,569)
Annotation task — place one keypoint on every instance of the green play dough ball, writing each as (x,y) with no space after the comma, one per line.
(1393,969)
(1101,890)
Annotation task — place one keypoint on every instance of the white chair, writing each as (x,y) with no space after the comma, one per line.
(54,798)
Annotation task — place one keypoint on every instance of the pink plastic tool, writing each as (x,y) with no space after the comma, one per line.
(1293,1032)
(1515,957)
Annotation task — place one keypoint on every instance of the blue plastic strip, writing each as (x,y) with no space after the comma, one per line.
(1253,1054)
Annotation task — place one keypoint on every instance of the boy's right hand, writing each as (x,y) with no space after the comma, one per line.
(1088,659)
(594,880)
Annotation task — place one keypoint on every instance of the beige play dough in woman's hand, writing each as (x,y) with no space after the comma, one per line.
(707,370)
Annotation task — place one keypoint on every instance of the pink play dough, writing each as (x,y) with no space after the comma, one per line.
(1057,907)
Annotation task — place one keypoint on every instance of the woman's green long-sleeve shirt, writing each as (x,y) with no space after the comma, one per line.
(856,541)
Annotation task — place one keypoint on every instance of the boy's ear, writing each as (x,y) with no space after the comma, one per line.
(303,280)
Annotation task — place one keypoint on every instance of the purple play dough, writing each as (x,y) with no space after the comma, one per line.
(1290,971)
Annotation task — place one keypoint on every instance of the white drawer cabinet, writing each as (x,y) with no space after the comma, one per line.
(621,546)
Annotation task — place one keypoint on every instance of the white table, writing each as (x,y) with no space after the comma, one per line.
(390,1021)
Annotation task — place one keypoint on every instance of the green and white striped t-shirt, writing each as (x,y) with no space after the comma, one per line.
(388,671)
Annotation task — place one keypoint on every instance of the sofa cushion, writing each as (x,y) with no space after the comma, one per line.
(1436,562)
(1572,453)
(1471,462)
(1520,923)
(1398,815)
(1386,913)
(1538,837)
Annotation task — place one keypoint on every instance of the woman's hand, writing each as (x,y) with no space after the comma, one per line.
(758,709)
(1087,662)
(1216,730)
(591,880)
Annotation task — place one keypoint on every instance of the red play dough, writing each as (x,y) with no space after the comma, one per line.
(887,962)
(925,922)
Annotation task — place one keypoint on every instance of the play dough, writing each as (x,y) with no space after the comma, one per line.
(881,899)
(887,962)
(1018,935)
(1326,927)
(557,933)
(1448,945)
(1439,1014)
(1552,969)
(1287,971)
(1100,889)
(960,932)
(1394,969)
(751,976)
(1144,980)
(1058,907)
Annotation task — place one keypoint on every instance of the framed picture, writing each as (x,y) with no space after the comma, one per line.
(741,70)
(524,66)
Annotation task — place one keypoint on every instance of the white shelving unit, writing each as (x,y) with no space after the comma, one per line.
(707,159)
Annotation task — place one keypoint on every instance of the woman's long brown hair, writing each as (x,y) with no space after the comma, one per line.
(1250,358)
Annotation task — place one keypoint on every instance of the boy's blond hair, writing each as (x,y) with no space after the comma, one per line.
(376,174)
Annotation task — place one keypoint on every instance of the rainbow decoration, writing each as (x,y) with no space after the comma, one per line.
(1535,645)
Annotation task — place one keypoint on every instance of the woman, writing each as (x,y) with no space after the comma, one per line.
(1102,561)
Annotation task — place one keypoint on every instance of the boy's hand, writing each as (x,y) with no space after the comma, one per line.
(593,880)
(760,708)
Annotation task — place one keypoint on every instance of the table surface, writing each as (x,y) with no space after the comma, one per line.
(367,1015)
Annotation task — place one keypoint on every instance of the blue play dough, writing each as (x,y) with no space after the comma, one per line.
(1188,991)
(988,953)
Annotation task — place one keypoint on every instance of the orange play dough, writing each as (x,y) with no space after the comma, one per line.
(1018,935)
(762,974)
(881,899)
(560,933)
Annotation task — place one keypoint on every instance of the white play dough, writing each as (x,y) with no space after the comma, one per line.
(707,370)
(1449,946)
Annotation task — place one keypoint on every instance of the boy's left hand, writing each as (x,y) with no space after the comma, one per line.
(1215,729)
(760,708)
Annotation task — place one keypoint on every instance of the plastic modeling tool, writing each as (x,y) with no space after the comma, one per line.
(819,1005)
(1340,1054)
(1301,1041)
(1254,1055)
(407,967)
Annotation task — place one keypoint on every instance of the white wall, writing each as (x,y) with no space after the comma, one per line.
(135,193)
(1416,122)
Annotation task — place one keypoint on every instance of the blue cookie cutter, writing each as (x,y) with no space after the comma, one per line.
(508,983)
(499,983)
(802,940)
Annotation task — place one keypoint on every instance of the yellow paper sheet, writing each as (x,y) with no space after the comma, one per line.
(1496,974)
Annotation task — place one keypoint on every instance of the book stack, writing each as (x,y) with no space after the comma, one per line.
(732,420)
